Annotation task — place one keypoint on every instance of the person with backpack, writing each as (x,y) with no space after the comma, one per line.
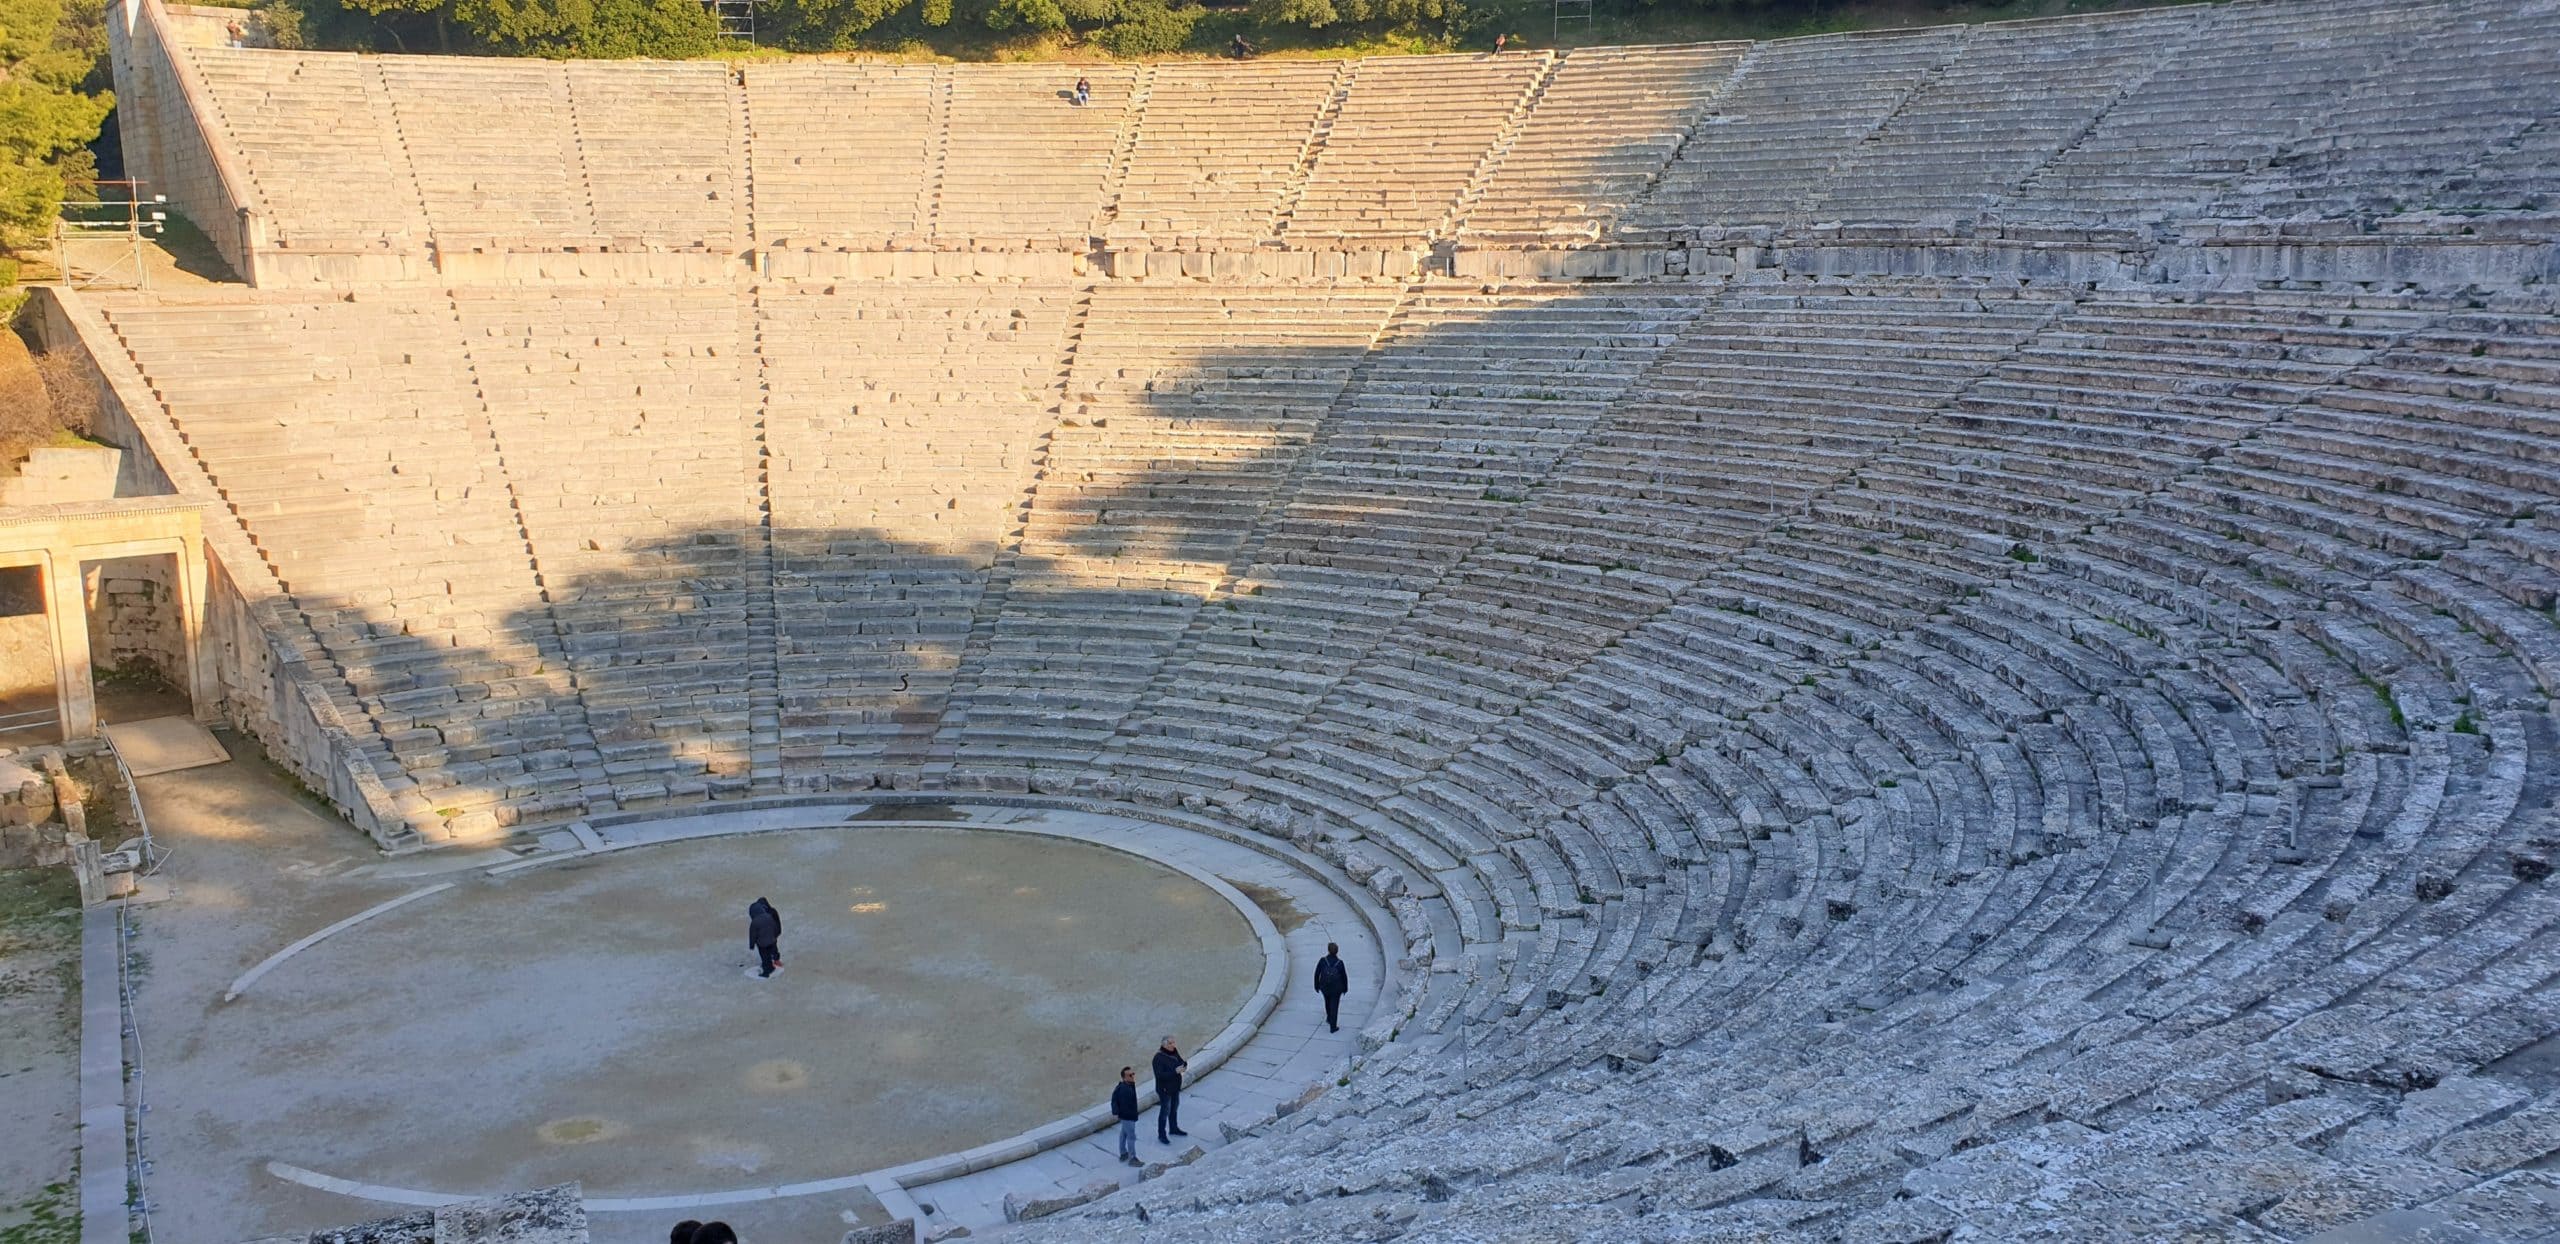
(764,933)
(1332,980)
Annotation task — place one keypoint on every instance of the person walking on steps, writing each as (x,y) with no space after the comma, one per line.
(764,932)
(1332,980)
(1169,1067)
(1124,1107)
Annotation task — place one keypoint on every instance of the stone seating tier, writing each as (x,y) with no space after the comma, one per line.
(2356,109)
(1857,757)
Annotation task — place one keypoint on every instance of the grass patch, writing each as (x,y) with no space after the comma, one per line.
(1284,914)
(50,1216)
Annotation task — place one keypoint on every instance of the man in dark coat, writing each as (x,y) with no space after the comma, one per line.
(764,932)
(1124,1107)
(1332,980)
(1169,1067)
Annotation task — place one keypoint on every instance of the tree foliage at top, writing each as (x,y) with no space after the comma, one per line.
(51,105)
(612,29)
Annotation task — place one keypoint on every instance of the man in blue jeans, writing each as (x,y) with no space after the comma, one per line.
(1124,1107)
(1169,1066)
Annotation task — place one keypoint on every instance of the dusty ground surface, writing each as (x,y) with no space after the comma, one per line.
(599,1020)
(39,1055)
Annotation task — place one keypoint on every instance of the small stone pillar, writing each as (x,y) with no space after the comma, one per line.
(66,610)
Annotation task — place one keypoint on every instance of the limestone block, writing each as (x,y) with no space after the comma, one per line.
(1022,1207)
(903,1231)
(1188,1156)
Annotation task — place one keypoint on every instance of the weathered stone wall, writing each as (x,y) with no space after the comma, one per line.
(133,618)
(33,833)
(260,683)
(555,1215)
(165,132)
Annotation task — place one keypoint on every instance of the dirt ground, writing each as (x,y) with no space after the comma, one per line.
(597,1020)
(39,1055)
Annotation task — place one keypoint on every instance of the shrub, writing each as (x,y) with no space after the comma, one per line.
(1147,28)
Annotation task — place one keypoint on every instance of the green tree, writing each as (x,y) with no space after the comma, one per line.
(673,29)
(49,113)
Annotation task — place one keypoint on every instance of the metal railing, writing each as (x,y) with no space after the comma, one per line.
(98,243)
(137,1101)
(133,800)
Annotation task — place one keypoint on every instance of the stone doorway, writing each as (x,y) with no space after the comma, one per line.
(137,637)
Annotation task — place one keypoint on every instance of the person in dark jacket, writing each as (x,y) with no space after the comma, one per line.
(764,932)
(715,1233)
(683,1232)
(1124,1107)
(1332,980)
(1169,1067)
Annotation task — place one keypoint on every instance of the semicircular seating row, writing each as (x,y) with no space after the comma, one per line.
(1847,757)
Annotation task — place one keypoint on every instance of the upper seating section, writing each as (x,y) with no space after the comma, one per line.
(1217,152)
(2167,145)
(1405,143)
(664,151)
(1602,130)
(1792,110)
(1022,166)
(496,155)
(2456,94)
(2018,94)
(842,156)
(2357,107)
(318,137)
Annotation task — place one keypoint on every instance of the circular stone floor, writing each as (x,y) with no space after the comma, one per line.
(599,1020)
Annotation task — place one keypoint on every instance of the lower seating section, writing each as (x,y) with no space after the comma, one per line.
(1186,408)
(1469,403)
(842,156)
(901,425)
(615,418)
(347,436)
(1880,758)
(2172,863)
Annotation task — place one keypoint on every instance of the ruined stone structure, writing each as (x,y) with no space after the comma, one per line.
(1994,675)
